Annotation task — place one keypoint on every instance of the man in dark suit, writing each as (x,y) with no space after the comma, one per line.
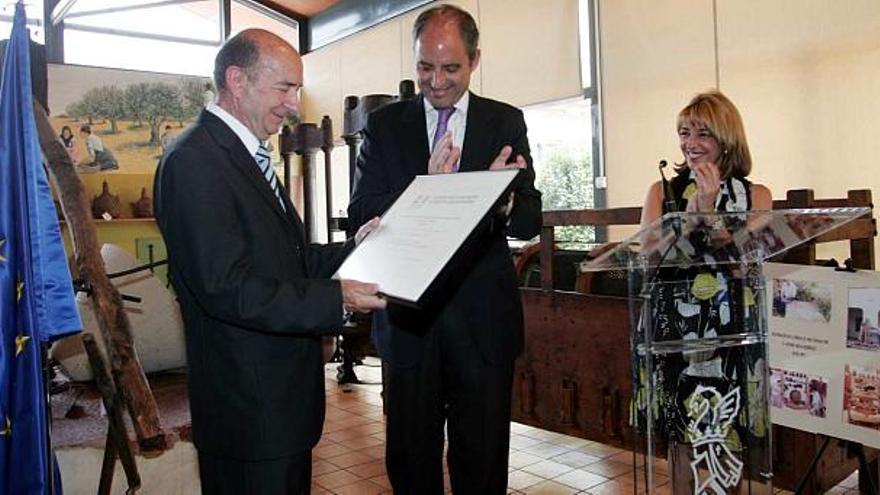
(255,298)
(450,361)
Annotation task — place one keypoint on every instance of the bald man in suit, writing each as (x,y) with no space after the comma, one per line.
(255,297)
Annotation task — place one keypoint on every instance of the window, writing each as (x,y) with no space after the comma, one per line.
(560,136)
(565,141)
(33,11)
(180,38)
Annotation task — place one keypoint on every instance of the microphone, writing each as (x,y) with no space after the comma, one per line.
(666,223)
(668,198)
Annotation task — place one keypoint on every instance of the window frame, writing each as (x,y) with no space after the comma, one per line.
(593,91)
(54,32)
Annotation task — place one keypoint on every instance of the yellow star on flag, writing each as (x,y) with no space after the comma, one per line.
(20,342)
(19,290)
(8,429)
(2,243)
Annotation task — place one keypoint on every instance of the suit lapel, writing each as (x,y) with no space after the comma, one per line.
(477,136)
(246,165)
(414,136)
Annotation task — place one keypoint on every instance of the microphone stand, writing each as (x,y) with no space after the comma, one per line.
(701,237)
(670,206)
(669,202)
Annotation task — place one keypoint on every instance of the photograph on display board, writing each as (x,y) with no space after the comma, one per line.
(770,239)
(802,225)
(777,387)
(818,392)
(801,300)
(863,319)
(798,391)
(861,397)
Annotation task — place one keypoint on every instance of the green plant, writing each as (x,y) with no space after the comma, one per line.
(565,180)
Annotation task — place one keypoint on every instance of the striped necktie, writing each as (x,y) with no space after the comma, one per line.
(264,161)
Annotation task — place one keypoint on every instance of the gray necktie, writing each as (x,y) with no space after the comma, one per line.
(264,161)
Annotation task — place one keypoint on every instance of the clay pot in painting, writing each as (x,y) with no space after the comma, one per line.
(143,208)
(106,203)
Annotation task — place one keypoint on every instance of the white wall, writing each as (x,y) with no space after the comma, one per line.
(529,55)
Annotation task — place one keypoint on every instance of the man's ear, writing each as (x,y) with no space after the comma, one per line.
(476,61)
(235,80)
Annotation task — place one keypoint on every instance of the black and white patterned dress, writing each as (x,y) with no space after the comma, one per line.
(702,302)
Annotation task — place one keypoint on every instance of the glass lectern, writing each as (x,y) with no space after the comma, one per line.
(699,344)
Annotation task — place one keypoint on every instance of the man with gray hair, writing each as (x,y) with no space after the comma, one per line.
(255,297)
(450,363)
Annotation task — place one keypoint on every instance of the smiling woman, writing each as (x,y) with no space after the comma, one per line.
(704,301)
(716,161)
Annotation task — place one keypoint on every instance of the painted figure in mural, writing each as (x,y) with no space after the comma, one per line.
(166,139)
(69,142)
(100,157)
(208,95)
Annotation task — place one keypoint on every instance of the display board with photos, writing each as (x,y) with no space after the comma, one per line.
(824,332)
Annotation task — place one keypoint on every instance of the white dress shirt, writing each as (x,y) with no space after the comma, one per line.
(457,123)
(244,134)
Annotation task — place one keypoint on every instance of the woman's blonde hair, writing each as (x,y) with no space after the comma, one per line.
(719,115)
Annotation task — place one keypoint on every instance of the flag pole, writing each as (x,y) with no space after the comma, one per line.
(50,456)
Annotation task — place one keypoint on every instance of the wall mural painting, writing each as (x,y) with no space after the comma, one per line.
(114,121)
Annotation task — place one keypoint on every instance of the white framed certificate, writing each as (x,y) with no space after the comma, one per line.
(422,231)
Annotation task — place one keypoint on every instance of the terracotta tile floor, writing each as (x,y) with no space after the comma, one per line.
(350,459)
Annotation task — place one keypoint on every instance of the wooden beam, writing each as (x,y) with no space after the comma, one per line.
(596,216)
(117,436)
(112,320)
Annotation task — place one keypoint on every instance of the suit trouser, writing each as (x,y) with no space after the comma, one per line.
(284,476)
(451,384)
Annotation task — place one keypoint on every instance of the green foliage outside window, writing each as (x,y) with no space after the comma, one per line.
(565,180)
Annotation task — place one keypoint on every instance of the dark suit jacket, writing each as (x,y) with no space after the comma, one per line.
(481,294)
(254,298)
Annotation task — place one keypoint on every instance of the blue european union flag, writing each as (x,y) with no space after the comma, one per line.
(36,295)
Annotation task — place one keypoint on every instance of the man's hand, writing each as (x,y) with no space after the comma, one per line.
(361,297)
(507,207)
(500,162)
(365,229)
(444,158)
